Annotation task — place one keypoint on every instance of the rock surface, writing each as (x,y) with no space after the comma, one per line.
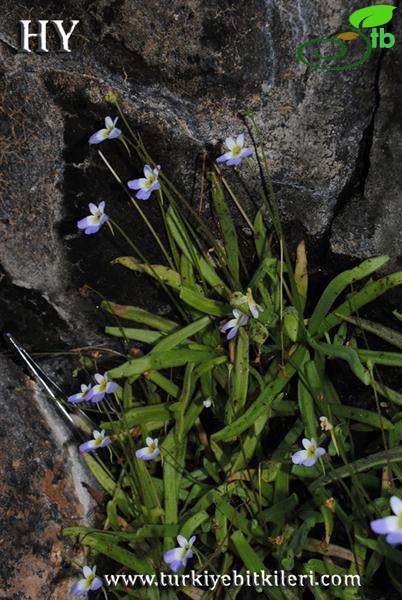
(40,491)
(184,70)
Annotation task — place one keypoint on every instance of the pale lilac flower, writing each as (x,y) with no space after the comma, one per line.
(146,185)
(177,557)
(96,219)
(239,320)
(110,132)
(236,151)
(104,386)
(90,582)
(150,451)
(308,457)
(99,441)
(82,396)
(390,526)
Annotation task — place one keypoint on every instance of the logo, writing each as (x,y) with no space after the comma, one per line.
(370,17)
(63,35)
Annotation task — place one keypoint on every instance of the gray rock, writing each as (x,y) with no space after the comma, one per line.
(40,491)
(184,74)
(371,222)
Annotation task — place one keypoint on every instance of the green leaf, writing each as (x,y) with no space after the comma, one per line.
(263,403)
(158,272)
(261,237)
(161,360)
(145,336)
(345,353)
(372,16)
(228,229)
(367,294)
(338,285)
(159,413)
(253,562)
(139,315)
(375,461)
(385,333)
(203,304)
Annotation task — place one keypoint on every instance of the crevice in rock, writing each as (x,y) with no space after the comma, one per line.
(29,316)
(357,182)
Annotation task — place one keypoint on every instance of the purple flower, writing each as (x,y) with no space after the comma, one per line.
(308,457)
(391,526)
(84,394)
(150,451)
(177,557)
(236,151)
(239,320)
(99,441)
(104,386)
(146,185)
(110,132)
(89,582)
(96,219)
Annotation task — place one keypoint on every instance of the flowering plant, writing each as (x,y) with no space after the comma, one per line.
(223,388)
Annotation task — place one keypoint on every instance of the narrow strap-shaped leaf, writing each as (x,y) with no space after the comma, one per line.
(228,229)
(355,301)
(161,360)
(139,315)
(338,285)
(264,400)
(146,336)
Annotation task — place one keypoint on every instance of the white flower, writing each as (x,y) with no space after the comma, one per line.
(110,132)
(308,457)
(391,526)
(208,402)
(236,151)
(177,557)
(150,451)
(89,582)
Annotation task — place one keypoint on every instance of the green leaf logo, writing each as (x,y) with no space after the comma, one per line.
(372,16)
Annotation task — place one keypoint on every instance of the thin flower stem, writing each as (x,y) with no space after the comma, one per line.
(235,200)
(138,209)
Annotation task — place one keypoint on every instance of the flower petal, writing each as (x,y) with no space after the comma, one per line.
(148,171)
(320,451)
(245,152)
(114,133)
(79,587)
(143,194)
(240,140)
(394,538)
(299,457)
(109,123)
(181,540)
(224,157)
(230,143)
(309,462)
(233,162)
(88,446)
(396,505)
(135,184)
(232,333)
(306,443)
(87,571)
(98,136)
(96,584)
(385,525)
